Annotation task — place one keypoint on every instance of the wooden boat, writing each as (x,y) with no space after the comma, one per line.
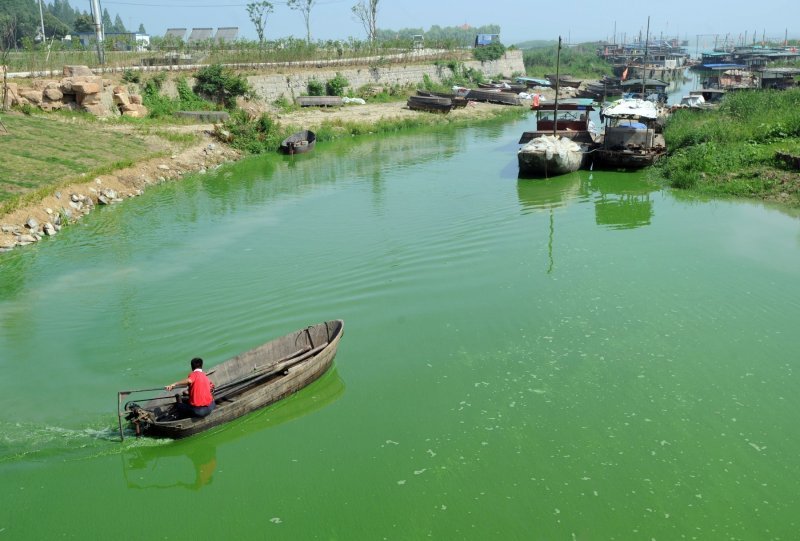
(564,80)
(504,86)
(549,156)
(298,143)
(562,142)
(493,96)
(563,138)
(319,101)
(531,82)
(244,383)
(456,100)
(630,139)
(431,104)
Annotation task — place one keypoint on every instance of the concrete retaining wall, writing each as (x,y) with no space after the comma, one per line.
(269,87)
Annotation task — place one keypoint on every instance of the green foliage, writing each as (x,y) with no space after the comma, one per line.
(315,88)
(493,51)
(732,150)
(220,84)
(284,104)
(251,136)
(258,12)
(461,76)
(130,76)
(336,86)
(579,61)
(447,37)
(160,106)
(383,94)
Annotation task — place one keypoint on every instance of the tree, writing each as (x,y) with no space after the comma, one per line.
(220,84)
(8,28)
(304,7)
(366,12)
(141,29)
(258,12)
(84,23)
(105,20)
(119,26)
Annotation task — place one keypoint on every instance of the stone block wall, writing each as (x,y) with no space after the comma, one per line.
(270,87)
(81,89)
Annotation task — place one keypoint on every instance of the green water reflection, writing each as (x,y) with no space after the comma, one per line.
(587,357)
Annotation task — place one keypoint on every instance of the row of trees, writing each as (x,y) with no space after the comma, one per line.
(365,11)
(60,18)
(458,36)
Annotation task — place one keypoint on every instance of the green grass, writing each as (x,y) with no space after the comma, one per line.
(41,151)
(580,61)
(731,151)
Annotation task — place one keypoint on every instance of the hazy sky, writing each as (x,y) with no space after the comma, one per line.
(519,20)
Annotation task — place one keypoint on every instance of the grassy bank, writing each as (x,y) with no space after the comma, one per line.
(43,153)
(732,151)
(40,152)
(579,61)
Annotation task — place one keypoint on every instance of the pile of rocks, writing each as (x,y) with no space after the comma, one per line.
(79,90)
(129,104)
(77,205)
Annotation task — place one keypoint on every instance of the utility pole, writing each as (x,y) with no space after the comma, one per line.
(98,30)
(41,19)
(644,71)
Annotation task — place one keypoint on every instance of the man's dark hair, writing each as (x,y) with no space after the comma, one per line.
(197,362)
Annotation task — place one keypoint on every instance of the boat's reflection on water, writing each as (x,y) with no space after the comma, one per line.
(621,200)
(165,466)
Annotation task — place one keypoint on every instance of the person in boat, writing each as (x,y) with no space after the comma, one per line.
(201,389)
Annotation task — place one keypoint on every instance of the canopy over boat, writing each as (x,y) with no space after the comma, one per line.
(632,108)
(533,81)
(652,83)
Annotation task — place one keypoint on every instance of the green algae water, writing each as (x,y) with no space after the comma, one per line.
(587,357)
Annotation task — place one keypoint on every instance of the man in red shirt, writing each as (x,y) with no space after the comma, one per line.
(201,400)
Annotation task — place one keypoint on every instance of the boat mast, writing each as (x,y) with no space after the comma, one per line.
(644,71)
(558,75)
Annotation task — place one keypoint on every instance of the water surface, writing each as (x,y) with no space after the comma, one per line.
(588,357)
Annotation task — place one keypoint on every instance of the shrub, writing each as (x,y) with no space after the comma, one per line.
(493,51)
(221,85)
(130,76)
(336,86)
(251,136)
(316,88)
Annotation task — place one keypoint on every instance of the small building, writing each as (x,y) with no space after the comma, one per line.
(122,41)
(482,40)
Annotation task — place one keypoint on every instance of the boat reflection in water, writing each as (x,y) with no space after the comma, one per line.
(547,196)
(164,465)
(621,200)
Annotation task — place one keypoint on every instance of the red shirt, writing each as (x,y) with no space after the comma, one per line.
(199,389)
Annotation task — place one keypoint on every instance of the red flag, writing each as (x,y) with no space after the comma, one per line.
(625,74)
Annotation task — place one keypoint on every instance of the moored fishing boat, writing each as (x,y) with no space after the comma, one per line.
(630,139)
(244,383)
(562,141)
(564,80)
(431,104)
(549,156)
(298,143)
(493,96)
